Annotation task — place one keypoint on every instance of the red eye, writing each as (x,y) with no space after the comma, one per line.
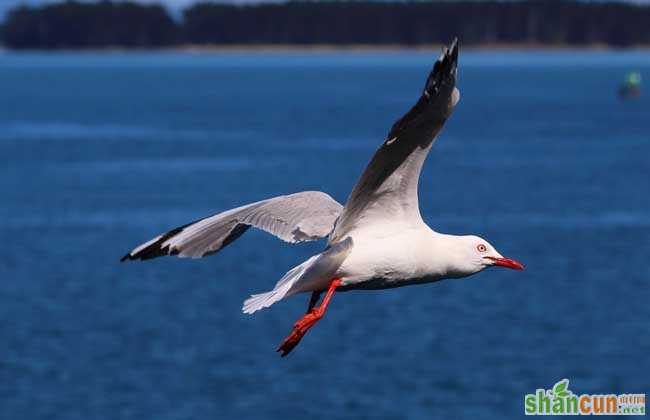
(481,248)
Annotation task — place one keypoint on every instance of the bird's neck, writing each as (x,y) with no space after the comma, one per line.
(449,256)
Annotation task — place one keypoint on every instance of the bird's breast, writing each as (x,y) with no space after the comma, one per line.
(385,261)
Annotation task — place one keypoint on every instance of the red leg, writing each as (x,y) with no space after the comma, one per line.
(309,319)
(312,301)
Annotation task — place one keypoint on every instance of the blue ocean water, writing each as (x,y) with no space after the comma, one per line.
(100,152)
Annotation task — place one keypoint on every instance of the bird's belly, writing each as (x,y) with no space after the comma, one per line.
(386,283)
(383,263)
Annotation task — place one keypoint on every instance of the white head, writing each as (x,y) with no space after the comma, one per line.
(473,254)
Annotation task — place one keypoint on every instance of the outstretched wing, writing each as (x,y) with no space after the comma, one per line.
(388,189)
(303,216)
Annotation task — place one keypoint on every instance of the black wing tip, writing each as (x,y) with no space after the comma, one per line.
(133,257)
(452,51)
(442,74)
(454,44)
(152,251)
(156,248)
(444,69)
(448,61)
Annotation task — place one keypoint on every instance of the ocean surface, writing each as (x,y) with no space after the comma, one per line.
(100,152)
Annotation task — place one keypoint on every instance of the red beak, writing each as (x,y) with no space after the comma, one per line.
(507,262)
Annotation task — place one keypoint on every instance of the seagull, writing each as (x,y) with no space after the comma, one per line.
(378,240)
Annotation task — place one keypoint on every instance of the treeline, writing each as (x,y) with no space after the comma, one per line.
(127,24)
(89,25)
(416,23)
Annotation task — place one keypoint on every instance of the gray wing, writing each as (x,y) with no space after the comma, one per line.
(388,188)
(303,216)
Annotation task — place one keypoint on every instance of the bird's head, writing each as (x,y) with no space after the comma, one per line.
(478,254)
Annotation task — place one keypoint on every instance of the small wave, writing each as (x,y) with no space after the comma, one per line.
(330,144)
(600,220)
(32,130)
(159,165)
(163,219)
(101,219)
(614,219)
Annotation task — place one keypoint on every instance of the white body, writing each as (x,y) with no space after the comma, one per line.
(391,255)
(378,240)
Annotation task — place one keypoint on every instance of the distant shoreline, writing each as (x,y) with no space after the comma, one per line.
(209,48)
(304,25)
(393,47)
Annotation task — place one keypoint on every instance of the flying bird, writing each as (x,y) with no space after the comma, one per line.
(378,240)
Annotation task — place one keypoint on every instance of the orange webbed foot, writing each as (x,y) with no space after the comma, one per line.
(308,320)
(300,328)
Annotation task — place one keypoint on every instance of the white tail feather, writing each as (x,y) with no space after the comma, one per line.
(319,266)
(263,300)
(282,287)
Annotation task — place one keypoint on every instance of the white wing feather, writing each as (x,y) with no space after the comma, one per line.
(303,216)
(388,188)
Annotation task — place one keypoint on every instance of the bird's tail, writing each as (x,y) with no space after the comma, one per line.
(264,300)
(302,277)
